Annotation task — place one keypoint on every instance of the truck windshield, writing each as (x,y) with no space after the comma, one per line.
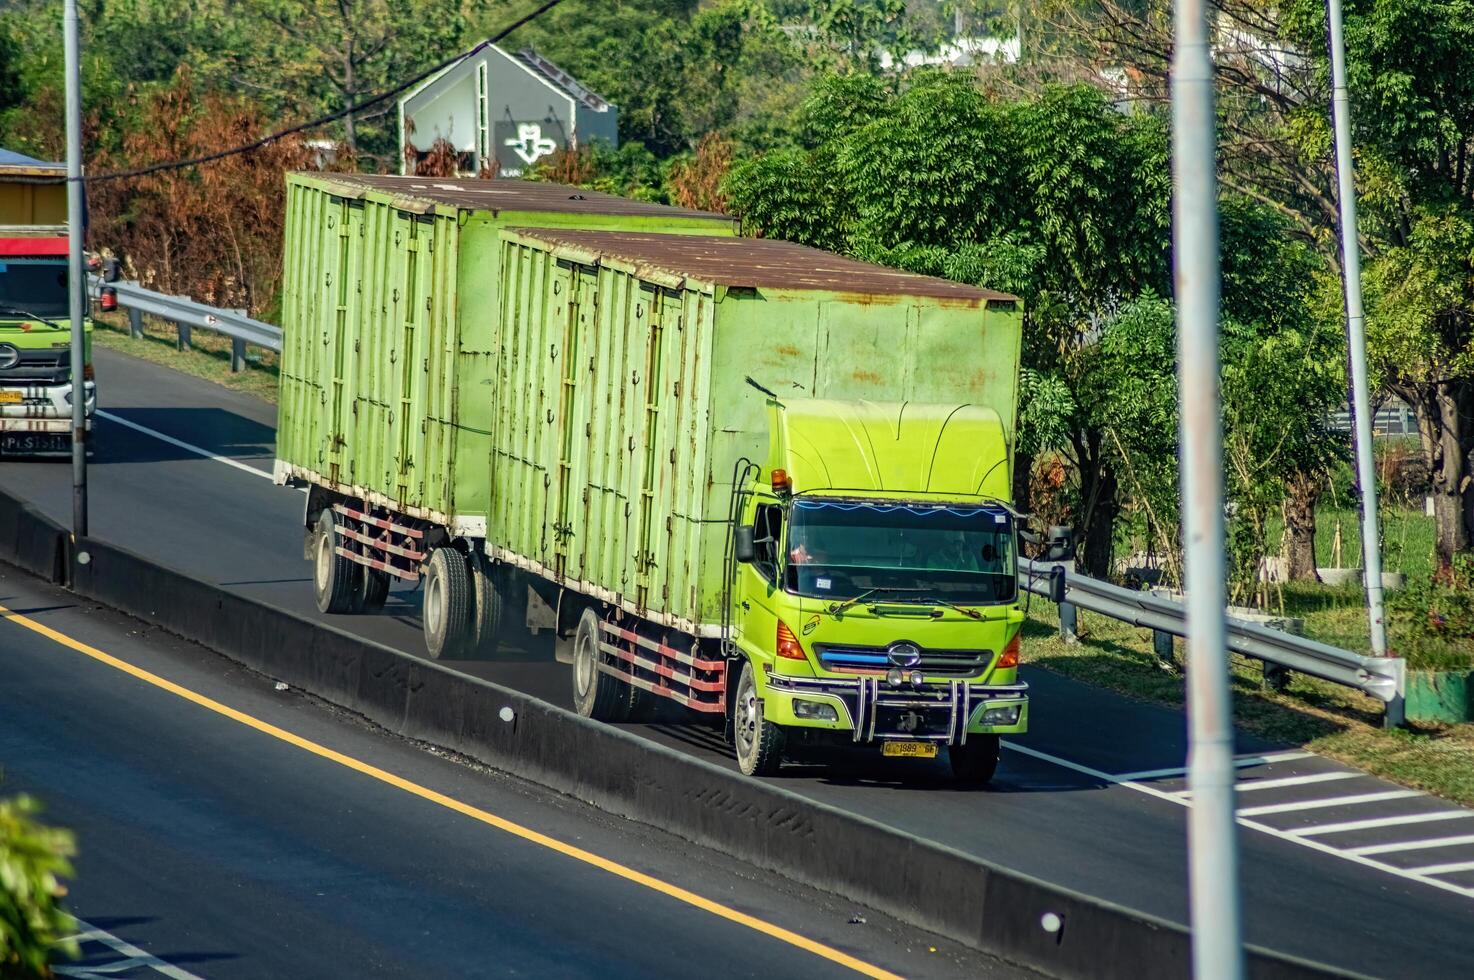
(37,286)
(839,549)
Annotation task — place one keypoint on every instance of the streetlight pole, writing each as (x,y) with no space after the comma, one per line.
(76,276)
(1211,832)
(1356,337)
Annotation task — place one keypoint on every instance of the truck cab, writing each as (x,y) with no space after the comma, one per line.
(875,593)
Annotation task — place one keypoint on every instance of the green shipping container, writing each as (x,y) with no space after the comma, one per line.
(623,406)
(391,315)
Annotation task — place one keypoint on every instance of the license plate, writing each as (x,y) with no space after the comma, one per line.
(35,442)
(11,397)
(909,750)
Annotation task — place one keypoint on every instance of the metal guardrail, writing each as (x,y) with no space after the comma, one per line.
(186,314)
(1380,677)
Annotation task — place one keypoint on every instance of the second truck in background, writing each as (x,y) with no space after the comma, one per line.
(757,479)
(36,388)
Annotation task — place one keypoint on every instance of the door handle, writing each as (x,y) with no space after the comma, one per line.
(745,606)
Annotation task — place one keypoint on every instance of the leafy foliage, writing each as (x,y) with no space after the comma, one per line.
(33,860)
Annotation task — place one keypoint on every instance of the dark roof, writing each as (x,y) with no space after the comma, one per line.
(758,262)
(507,195)
(10,158)
(561,79)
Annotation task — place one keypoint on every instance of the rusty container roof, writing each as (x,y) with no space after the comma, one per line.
(757,263)
(498,195)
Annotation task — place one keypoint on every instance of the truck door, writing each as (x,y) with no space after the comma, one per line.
(754,617)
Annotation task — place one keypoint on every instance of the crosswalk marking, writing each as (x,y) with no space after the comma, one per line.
(1338,828)
(1329,801)
(1411,845)
(1315,777)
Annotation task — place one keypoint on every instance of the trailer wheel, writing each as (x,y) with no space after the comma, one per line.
(334,578)
(596,694)
(373,589)
(759,742)
(975,762)
(489,605)
(449,605)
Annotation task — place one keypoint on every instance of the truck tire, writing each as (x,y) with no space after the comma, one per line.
(489,609)
(373,589)
(596,694)
(759,742)
(449,606)
(975,762)
(335,579)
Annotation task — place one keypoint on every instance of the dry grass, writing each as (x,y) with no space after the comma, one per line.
(208,358)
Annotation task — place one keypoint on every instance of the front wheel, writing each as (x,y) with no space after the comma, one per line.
(759,742)
(975,762)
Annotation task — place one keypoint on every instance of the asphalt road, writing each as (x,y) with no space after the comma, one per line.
(1059,808)
(225,850)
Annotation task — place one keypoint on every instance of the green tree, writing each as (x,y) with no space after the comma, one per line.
(33,860)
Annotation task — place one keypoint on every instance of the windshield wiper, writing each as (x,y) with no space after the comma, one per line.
(835,608)
(933,600)
(30,315)
(973,613)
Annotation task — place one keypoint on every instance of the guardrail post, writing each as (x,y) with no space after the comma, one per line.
(237,355)
(135,323)
(1162,647)
(1068,630)
(183,335)
(1395,714)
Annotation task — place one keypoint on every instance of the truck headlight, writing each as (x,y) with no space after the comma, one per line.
(814,710)
(1004,715)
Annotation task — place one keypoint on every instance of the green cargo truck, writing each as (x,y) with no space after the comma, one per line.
(35,330)
(757,479)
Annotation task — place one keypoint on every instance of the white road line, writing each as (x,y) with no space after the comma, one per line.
(135,958)
(1445,869)
(1315,777)
(1256,760)
(1340,828)
(181,444)
(1263,828)
(1412,845)
(1328,801)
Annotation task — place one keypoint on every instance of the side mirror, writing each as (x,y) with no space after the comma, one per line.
(112,270)
(1057,584)
(744,544)
(1028,537)
(1059,544)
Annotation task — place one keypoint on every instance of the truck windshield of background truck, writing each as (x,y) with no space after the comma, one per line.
(839,549)
(33,287)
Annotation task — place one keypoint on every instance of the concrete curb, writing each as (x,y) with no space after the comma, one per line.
(915,880)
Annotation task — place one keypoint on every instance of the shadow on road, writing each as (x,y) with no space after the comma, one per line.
(212,429)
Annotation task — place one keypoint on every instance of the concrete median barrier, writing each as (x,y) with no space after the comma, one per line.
(1025,920)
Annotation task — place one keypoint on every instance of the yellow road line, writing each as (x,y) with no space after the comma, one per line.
(450,803)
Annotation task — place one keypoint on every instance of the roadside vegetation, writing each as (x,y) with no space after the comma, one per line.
(207,358)
(34,858)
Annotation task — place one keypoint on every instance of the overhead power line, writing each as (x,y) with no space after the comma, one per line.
(320,120)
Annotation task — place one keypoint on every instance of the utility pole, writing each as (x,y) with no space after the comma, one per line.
(1211,833)
(76,275)
(1356,342)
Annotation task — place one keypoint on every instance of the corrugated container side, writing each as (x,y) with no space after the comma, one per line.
(623,407)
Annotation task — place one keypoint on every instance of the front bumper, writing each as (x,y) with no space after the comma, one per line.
(873,711)
(42,408)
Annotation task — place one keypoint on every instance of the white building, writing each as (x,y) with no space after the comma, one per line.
(511,108)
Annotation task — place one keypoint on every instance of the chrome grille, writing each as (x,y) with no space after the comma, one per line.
(933,663)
